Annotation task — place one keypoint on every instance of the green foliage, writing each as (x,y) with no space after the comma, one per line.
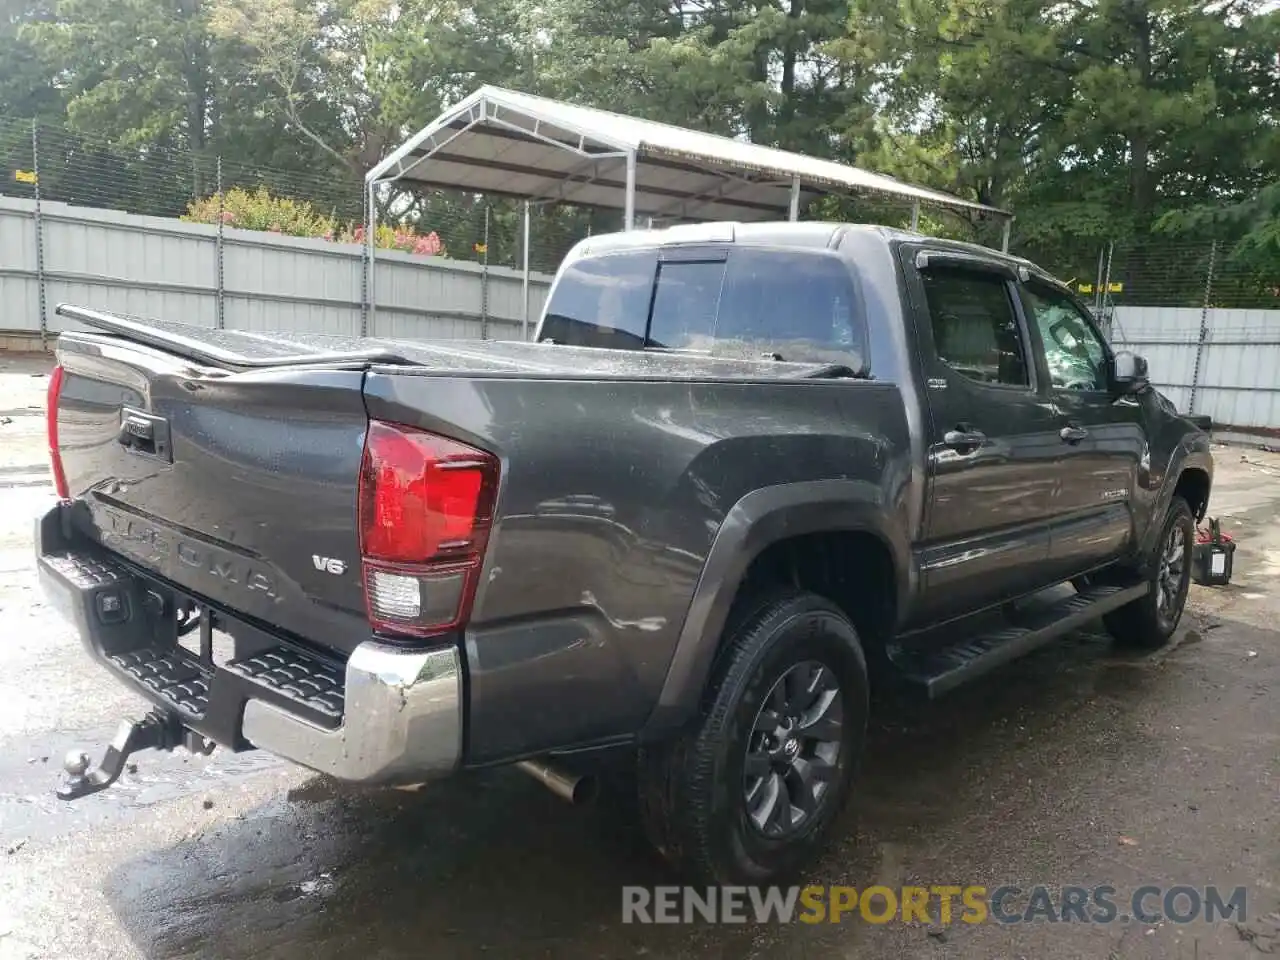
(1093,120)
(259,210)
(1251,227)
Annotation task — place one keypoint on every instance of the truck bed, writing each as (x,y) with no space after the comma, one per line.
(243,350)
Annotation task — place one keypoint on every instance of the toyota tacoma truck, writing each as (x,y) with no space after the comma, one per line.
(743,476)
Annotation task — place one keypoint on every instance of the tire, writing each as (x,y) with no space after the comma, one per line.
(705,805)
(1149,621)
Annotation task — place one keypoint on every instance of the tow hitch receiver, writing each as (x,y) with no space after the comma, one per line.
(158,730)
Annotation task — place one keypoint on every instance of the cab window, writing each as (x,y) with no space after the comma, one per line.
(1075,353)
(975,329)
(749,301)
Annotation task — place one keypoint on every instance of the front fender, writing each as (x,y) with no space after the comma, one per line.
(1191,453)
(761,518)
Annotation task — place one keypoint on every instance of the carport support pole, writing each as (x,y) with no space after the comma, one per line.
(1004,242)
(629,215)
(524,284)
(371,230)
(794,213)
(39,224)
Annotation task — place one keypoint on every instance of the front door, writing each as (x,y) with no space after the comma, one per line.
(993,440)
(1104,440)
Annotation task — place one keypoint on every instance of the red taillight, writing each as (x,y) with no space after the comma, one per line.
(426,502)
(51,427)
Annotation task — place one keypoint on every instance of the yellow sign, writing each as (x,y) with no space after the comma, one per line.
(480,248)
(25,176)
(1111,288)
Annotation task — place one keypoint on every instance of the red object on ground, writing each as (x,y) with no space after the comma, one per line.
(1206,536)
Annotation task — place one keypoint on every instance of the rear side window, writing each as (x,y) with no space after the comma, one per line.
(799,304)
(779,297)
(975,331)
(602,302)
(685,304)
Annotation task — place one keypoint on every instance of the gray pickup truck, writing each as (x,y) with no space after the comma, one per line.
(745,476)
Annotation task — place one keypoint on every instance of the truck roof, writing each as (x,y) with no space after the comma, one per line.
(806,233)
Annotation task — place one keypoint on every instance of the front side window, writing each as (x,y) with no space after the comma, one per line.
(1075,353)
(975,330)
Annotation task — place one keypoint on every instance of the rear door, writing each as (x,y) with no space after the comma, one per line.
(993,442)
(1104,439)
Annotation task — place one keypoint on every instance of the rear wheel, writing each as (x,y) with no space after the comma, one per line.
(749,793)
(1150,621)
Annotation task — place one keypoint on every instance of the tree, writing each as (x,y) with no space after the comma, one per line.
(135,71)
(26,78)
(1092,119)
(1251,228)
(1166,92)
(354,77)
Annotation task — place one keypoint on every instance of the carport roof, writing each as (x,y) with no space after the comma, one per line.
(503,142)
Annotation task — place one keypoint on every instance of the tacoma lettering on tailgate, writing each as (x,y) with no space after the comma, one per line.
(178,557)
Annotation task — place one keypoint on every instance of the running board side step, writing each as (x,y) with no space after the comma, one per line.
(938,671)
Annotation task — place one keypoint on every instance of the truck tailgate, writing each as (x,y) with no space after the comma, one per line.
(239,487)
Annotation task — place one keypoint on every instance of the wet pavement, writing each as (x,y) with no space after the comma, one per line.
(1077,766)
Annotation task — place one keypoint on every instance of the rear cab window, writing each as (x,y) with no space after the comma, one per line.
(747,301)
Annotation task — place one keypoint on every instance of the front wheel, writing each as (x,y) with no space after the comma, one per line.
(1150,621)
(748,794)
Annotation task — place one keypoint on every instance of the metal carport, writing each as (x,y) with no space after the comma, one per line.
(506,143)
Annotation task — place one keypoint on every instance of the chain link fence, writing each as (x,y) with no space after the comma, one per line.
(49,163)
(1174,272)
(162,182)
(1162,292)
(1205,313)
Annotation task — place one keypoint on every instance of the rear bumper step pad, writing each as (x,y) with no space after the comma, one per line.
(387,715)
(310,687)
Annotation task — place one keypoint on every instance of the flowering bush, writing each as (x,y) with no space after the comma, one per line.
(397,238)
(259,210)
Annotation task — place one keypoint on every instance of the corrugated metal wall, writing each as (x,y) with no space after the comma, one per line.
(1224,363)
(153,267)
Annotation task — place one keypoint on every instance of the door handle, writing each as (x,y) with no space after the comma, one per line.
(145,434)
(963,437)
(1073,433)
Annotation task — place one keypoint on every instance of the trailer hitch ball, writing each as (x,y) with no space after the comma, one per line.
(156,731)
(76,762)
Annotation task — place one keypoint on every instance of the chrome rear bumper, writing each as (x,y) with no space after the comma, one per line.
(402,719)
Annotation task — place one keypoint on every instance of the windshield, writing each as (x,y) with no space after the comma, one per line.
(748,301)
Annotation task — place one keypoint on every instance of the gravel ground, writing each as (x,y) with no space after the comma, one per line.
(1077,766)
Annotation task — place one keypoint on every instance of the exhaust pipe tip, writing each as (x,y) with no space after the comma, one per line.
(574,788)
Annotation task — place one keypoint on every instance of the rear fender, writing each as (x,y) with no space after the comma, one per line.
(761,518)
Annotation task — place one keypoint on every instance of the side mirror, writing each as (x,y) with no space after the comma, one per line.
(1129,372)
